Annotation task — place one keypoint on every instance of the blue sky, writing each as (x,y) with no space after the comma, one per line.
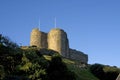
(93,26)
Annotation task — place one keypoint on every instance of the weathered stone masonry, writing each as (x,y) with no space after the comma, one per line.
(56,40)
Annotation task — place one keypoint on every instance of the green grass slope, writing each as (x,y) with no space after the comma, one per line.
(81,73)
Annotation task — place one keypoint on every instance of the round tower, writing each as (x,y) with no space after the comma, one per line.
(38,38)
(35,38)
(58,41)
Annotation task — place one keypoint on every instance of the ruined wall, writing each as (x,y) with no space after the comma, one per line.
(38,38)
(43,40)
(35,38)
(77,55)
(57,40)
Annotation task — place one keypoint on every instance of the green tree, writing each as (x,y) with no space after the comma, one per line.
(8,52)
(111,73)
(58,70)
(104,72)
(97,70)
(31,65)
(2,72)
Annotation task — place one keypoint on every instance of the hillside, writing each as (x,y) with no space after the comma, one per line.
(81,73)
(32,63)
(29,63)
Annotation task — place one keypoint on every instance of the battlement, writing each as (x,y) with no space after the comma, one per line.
(56,40)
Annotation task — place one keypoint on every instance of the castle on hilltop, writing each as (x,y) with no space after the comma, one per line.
(56,40)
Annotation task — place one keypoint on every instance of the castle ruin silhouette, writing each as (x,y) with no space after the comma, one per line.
(56,40)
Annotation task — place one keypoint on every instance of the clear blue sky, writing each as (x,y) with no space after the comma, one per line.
(93,26)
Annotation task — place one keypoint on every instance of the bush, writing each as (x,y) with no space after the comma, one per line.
(104,72)
(58,70)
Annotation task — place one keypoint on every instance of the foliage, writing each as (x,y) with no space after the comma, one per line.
(2,73)
(104,72)
(82,73)
(58,70)
(6,42)
(97,70)
(9,55)
(19,64)
(30,64)
(111,72)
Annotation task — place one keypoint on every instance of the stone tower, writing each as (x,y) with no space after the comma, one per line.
(58,41)
(38,38)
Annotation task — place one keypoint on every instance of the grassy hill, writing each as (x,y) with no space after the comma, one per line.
(31,63)
(81,73)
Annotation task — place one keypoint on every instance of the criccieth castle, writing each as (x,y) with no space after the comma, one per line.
(56,40)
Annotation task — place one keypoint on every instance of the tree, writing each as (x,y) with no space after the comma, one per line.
(2,72)
(33,65)
(58,70)
(29,64)
(97,70)
(104,72)
(8,51)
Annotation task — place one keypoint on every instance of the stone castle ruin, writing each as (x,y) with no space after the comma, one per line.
(56,40)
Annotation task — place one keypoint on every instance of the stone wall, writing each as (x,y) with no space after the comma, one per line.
(43,40)
(78,55)
(35,38)
(57,40)
(38,38)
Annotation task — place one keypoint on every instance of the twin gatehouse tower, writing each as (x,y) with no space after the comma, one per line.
(56,40)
